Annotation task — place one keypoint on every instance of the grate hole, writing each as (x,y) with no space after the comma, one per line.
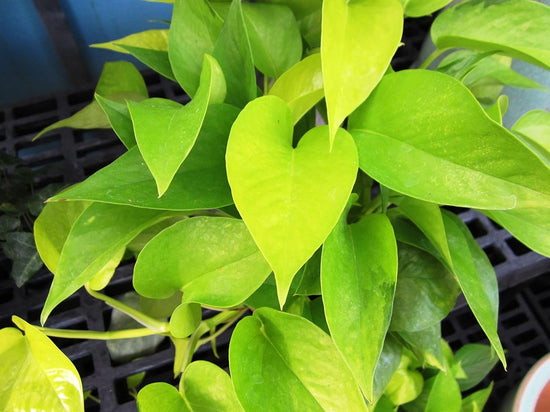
(514,320)
(2,116)
(517,247)
(524,337)
(534,352)
(456,210)
(68,304)
(84,365)
(477,336)
(496,225)
(34,108)
(84,96)
(5,321)
(6,294)
(91,404)
(151,78)
(495,255)
(476,228)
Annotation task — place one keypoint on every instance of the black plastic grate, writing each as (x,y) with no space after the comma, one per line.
(67,156)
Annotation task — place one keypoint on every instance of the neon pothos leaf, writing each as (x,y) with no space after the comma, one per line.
(518,28)
(358,40)
(359,271)
(193,33)
(275,186)
(301,86)
(214,261)
(418,8)
(200,183)
(32,364)
(427,118)
(119,80)
(166,131)
(284,362)
(161,396)
(96,237)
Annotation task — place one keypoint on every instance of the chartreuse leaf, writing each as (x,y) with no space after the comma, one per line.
(427,118)
(118,80)
(530,226)
(477,400)
(280,362)
(274,36)
(200,183)
(36,375)
(418,8)
(426,292)
(207,387)
(166,131)
(358,41)
(95,238)
(232,51)
(518,28)
(406,383)
(359,271)
(476,277)
(160,396)
(533,129)
(476,361)
(497,110)
(440,393)
(275,186)
(310,277)
(119,118)
(214,261)
(301,87)
(427,217)
(426,345)
(193,33)
(149,46)
(185,319)
(52,227)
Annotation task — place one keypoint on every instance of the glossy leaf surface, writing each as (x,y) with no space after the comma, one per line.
(200,183)
(118,80)
(426,119)
(96,237)
(426,345)
(274,35)
(426,291)
(185,319)
(389,361)
(207,387)
(358,40)
(232,51)
(36,375)
(214,261)
(275,186)
(533,128)
(443,394)
(166,131)
(476,361)
(476,277)
(301,87)
(193,32)
(359,273)
(280,362)
(519,28)
(119,118)
(160,396)
(477,400)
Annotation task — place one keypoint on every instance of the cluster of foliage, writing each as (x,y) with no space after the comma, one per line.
(237,201)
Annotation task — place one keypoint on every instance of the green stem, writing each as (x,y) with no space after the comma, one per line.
(97,335)
(436,53)
(155,325)
(221,330)
(375,204)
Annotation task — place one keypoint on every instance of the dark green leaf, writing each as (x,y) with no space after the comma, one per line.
(476,361)
(20,248)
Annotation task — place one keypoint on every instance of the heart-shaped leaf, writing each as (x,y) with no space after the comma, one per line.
(96,237)
(207,387)
(358,41)
(233,52)
(214,261)
(185,319)
(30,365)
(519,28)
(359,271)
(421,117)
(193,32)
(284,362)
(301,86)
(290,199)
(200,183)
(166,131)
(161,396)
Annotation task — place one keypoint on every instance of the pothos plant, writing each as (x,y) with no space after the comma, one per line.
(327,245)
